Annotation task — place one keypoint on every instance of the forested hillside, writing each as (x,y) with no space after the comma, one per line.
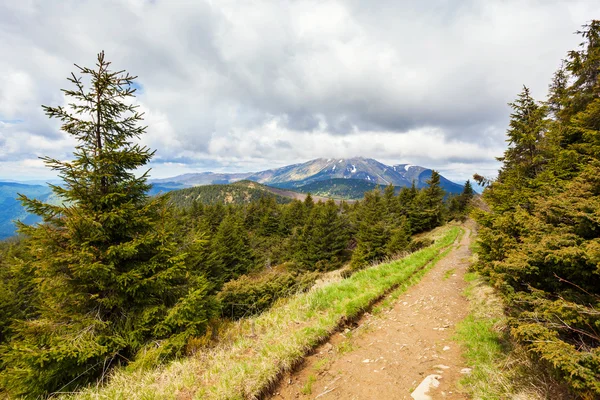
(341,188)
(234,193)
(114,277)
(540,241)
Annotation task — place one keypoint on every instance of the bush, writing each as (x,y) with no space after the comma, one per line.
(418,244)
(249,295)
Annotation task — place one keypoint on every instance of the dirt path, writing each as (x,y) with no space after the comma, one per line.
(388,355)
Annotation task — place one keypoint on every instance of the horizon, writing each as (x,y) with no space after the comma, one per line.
(54,178)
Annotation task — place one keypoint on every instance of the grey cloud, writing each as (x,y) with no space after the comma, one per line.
(340,67)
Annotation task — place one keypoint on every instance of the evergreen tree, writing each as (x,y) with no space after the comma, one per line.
(18,293)
(372,232)
(428,207)
(108,270)
(231,255)
(293,216)
(399,238)
(406,199)
(527,127)
(540,241)
(269,216)
(458,206)
(309,203)
(322,241)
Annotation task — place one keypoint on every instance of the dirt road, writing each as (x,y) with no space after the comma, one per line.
(388,355)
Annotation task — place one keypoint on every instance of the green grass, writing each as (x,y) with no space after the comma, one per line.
(500,369)
(307,388)
(322,364)
(448,274)
(345,347)
(249,364)
(484,351)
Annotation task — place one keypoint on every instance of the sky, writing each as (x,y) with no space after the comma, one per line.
(238,86)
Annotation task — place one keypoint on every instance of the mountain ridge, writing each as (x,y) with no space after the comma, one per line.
(297,175)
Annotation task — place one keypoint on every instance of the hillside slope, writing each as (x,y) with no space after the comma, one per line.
(348,189)
(242,192)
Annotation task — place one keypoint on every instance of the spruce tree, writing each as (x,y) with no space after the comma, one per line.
(428,207)
(231,255)
(105,260)
(322,241)
(540,241)
(372,232)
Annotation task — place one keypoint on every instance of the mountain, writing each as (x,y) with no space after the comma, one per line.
(339,188)
(367,169)
(11,209)
(321,169)
(296,176)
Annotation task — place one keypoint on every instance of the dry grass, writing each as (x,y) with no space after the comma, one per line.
(257,350)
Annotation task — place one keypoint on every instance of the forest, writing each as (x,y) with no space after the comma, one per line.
(539,243)
(115,277)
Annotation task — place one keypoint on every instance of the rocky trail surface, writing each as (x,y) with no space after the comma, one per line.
(405,351)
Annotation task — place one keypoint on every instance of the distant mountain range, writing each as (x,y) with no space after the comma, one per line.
(297,176)
(11,209)
(346,178)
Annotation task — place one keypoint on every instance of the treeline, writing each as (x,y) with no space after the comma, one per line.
(114,277)
(540,242)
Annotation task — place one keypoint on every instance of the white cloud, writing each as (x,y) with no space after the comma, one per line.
(243,85)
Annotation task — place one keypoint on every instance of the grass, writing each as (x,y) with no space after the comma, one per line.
(322,364)
(249,364)
(500,369)
(307,388)
(448,274)
(345,347)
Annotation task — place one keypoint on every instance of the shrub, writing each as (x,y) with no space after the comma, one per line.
(249,295)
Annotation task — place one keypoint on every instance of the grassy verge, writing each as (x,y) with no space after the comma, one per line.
(246,366)
(500,370)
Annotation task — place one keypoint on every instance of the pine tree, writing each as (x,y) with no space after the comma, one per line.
(428,207)
(399,238)
(106,262)
(527,127)
(540,242)
(373,233)
(309,203)
(231,255)
(323,239)
(406,198)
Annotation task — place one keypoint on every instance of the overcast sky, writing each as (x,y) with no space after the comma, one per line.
(249,85)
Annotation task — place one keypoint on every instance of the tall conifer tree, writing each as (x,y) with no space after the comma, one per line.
(105,260)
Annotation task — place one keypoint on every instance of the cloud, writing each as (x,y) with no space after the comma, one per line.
(242,85)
